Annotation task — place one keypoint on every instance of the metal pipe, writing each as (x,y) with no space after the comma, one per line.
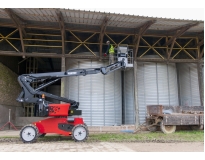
(37,34)
(145,52)
(36,45)
(111,39)
(176,53)
(74,49)
(90,50)
(188,54)
(75,36)
(12,45)
(158,53)
(124,39)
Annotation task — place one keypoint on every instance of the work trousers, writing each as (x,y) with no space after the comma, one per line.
(111,58)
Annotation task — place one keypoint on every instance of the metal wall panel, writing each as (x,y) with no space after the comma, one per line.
(99,95)
(189,85)
(129,107)
(157,85)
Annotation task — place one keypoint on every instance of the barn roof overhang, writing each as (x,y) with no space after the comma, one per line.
(41,18)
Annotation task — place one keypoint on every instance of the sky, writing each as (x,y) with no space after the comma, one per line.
(189,9)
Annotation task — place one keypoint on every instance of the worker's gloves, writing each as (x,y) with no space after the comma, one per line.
(105,54)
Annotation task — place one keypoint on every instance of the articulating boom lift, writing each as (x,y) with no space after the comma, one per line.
(60,119)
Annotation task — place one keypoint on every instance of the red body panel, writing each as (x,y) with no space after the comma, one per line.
(59,109)
(50,125)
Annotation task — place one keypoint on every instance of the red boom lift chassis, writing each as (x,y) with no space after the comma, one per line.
(64,118)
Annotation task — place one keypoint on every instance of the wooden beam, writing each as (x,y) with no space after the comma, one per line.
(62,28)
(143,28)
(136,97)
(141,31)
(170,50)
(201,54)
(200,43)
(102,33)
(201,84)
(180,31)
(170,61)
(18,22)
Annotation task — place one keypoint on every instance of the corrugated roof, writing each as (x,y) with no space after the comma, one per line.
(92,18)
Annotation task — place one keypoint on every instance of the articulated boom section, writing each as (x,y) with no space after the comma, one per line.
(28,92)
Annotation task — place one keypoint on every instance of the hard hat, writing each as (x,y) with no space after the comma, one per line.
(107,42)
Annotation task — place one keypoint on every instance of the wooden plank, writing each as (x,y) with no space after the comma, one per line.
(186,109)
(181,119)
(154,109)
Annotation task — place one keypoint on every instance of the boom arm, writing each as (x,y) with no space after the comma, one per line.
(30,95)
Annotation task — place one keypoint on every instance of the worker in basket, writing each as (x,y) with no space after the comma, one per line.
(111,51)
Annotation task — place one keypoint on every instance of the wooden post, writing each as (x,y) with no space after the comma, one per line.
(201,84)
(136,97)
(63,79)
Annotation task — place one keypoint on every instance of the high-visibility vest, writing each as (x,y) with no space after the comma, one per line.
(111,50)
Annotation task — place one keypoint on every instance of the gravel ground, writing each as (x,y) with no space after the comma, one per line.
(57,145)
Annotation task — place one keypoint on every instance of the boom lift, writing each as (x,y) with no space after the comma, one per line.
(61,117)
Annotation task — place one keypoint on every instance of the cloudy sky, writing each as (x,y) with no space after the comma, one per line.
(189,9)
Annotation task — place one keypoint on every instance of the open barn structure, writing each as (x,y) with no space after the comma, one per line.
(168,61)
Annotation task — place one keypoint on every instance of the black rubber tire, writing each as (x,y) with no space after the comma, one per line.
(198,127)
(167,129)
(85,125)
(86,129)
(42,135)
(151,128)
(35,136)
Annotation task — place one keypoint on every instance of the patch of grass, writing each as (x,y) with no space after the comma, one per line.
(178,136)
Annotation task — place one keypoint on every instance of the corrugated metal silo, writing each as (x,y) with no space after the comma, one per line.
(189,84)
(99,95)
(157,85)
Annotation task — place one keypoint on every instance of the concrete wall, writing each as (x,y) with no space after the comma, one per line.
(9,91)
(4,114)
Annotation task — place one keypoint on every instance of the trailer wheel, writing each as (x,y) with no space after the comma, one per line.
(198,127)
(80,133)
(29,133)
(167,129)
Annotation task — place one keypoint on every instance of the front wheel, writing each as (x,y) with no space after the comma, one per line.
(167,129)
(80,133)
(29,133)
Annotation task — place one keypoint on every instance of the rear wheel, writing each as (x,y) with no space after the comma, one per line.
(80,133)
(167,129)
(29,133)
